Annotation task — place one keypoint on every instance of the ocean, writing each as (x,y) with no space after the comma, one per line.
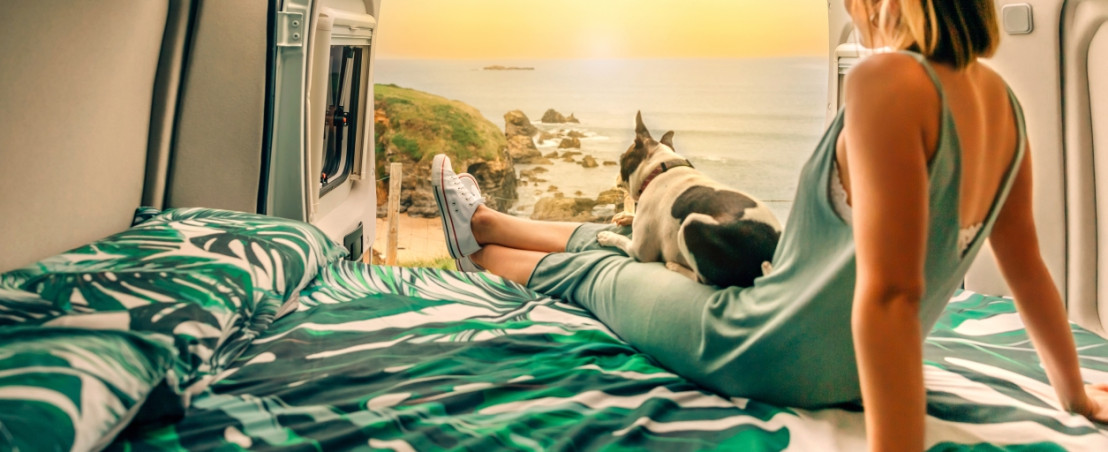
(749,123)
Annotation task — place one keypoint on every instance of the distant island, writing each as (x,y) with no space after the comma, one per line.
(497,67)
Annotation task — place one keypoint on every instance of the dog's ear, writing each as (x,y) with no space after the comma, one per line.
(667,139)
(629,162)
(640,128)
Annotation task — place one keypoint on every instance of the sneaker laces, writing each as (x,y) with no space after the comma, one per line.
(459,187)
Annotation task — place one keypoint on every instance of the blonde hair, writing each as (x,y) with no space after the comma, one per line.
(956,32)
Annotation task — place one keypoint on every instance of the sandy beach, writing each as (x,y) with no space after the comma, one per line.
(419,239)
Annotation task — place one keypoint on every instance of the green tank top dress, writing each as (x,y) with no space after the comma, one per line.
(786,339)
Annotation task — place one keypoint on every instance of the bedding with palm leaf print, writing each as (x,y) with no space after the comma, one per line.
(71,389)
(212,279)
(384,358)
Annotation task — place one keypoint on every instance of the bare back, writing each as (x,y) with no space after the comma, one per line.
(980,105)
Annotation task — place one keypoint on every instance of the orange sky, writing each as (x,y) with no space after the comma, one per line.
(509,29)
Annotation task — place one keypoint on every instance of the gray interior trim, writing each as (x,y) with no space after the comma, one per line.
(316,105)
(163,114)
(286,172)
(78,79)
(216,157)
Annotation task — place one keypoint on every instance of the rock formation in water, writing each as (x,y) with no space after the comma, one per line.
(519,132)
(562,208)
(553,117)
(570,143)
(517,123)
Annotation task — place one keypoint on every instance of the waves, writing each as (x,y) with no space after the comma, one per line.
(747,123)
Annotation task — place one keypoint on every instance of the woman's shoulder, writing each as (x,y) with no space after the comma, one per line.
(896,83)
(897,74)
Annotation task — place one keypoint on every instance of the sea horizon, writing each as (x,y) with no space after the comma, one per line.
(753,57)
(747,122)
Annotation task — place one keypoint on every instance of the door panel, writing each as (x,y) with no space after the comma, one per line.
(1085,46)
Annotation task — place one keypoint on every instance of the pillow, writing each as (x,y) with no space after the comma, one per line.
(69,389)
(18,307)
(213,279)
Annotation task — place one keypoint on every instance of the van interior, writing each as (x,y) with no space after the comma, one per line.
(266,107)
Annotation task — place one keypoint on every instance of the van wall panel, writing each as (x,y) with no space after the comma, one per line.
(1082,27)
(216,156)
(78,78)
(1098,103)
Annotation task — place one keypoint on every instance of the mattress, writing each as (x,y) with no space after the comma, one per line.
(418,359)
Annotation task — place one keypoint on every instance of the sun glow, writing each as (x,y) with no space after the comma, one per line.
(484,29)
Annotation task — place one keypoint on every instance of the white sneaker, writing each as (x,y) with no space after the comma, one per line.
(470,182)
(456,203)
(465,264)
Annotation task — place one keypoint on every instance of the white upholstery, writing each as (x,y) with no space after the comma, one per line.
(1085,46)
(75,100)
(1098,95)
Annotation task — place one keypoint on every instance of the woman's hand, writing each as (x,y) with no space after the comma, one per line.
(1096,409)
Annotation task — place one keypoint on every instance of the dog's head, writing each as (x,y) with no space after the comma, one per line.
(633,164)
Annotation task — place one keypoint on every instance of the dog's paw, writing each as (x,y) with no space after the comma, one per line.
(608,238)
(624,218)
(683,270)
(767,267)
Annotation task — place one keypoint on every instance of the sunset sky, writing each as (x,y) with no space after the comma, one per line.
(534,29)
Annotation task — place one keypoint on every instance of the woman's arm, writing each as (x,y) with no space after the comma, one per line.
(891,104)
(1016,245)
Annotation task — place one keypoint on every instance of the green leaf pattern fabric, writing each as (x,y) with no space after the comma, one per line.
(382,358)
(68,389)
(212,279)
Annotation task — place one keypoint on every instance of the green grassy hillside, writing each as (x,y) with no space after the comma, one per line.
(420,125)
(413,126)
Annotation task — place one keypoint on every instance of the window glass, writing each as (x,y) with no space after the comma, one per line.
(340,121)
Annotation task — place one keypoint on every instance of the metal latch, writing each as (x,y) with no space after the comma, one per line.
(290,29)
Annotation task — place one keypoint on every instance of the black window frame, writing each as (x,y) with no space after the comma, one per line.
(340,122)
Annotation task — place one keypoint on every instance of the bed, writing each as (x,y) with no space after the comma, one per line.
(387,358)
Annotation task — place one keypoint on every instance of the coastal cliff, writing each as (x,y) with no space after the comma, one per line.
(413,126)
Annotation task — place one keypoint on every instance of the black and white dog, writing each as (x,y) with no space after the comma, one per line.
(700,228)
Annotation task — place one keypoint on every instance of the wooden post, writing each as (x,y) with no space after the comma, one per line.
(395,176)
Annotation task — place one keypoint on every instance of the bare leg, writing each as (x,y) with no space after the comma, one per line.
(511,263)
(494,228)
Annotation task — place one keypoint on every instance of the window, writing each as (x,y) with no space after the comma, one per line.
(341,120)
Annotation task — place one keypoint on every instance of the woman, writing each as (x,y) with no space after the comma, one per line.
(924,163)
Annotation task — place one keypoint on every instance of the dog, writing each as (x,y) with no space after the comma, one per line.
(700,228)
